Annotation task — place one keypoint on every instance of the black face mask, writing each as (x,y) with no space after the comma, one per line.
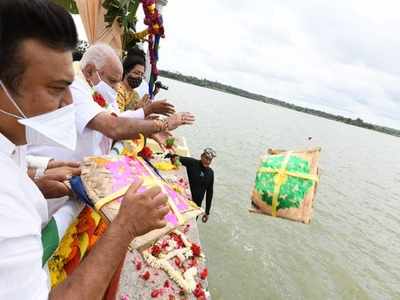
(134,82)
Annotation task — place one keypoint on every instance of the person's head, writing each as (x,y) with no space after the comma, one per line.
(207,156)
(102,60)
(134,67)
(37,38)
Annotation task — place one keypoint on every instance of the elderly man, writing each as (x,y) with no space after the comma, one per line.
(36,42)
(101,69)
(133,73)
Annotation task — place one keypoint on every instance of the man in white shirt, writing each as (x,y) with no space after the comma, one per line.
(36,42)
(101,70)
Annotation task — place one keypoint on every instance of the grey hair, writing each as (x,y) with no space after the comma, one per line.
(98,54)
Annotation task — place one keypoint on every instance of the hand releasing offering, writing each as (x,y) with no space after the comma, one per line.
(178,119)
(141,213)
(161,107)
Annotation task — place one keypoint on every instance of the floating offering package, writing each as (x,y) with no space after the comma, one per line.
(286,184)
(106,179)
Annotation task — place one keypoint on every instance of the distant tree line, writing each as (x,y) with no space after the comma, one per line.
(239,92)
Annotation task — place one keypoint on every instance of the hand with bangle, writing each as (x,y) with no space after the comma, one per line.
(161,125)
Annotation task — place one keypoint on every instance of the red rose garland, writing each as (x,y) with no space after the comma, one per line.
(177,241)
(146,153)
(99,99)
(196,250)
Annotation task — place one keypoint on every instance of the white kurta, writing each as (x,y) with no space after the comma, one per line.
(90,142)
(23,211)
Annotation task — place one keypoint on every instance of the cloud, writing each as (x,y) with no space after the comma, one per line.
(339,56)
(336,55)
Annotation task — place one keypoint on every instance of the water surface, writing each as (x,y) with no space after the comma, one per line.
(350,250)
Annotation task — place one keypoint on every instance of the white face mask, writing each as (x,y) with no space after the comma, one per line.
(56,128)
(109,94)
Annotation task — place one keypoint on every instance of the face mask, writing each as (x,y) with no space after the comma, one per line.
(106,91)
(56,128)
(134,82)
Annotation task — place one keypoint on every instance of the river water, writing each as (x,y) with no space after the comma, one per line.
(351,250)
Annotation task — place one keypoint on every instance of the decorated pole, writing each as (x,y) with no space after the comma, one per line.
(114,22)
(154,21)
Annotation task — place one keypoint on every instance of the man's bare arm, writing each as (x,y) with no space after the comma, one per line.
(120,128)
(139,214)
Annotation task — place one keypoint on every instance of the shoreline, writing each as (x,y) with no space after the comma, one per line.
(260,98)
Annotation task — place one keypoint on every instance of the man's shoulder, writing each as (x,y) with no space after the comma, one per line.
(188,160)
(13,179)
(80,85)
(82,94)
(85,107)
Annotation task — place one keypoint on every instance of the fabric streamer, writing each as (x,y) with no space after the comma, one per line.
(78,188)
(154,21)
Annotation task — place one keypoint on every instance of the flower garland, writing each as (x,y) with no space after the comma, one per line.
(99,99)
(154,21)
(153,18)
(177,249)
(146,153)
(80,238)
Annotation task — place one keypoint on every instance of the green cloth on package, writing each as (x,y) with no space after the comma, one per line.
(293,189)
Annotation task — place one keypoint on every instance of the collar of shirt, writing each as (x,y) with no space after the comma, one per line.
(112,107)
(16,153)
(6,146)
(79,75)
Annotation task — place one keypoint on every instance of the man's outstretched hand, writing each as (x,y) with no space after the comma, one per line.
(179,119)
(161,107)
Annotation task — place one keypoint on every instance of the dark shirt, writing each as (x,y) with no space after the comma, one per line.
(201,180)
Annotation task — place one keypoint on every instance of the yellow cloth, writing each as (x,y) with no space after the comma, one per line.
(127,99)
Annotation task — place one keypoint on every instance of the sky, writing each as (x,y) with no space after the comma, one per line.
(340,56)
